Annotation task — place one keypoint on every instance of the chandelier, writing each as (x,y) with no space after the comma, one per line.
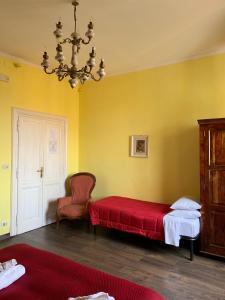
(75,73)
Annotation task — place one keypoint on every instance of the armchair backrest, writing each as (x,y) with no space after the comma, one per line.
(82,184)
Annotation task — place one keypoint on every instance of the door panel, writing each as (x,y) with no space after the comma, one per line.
(52,192)
(31,208)
(53,179)
(218,147)
(217,187)
(217,219)
(29,215)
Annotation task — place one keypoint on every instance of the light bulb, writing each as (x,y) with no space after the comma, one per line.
(91,62)
(58,31)
(73,82)
(90,32)
(45,62)
(101,72)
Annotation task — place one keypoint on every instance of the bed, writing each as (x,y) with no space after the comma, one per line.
(52,277)
(139,217)
(130,215)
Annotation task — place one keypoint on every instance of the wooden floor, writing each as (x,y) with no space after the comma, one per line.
(149,263)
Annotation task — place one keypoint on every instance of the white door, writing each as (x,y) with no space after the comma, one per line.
(40,170)
(30,157)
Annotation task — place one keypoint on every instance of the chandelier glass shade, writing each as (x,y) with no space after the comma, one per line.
(73,71)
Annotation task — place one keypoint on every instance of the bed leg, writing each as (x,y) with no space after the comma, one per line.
(191,250)
(89,224)
(94,230)
(57,221)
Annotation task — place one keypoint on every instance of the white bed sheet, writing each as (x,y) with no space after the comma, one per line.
(189,227)
(174,227)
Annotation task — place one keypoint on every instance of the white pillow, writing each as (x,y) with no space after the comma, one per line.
(187,214)
(185,203)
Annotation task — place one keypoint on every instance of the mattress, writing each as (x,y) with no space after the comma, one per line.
(52,277)
(189,227)
(130,215)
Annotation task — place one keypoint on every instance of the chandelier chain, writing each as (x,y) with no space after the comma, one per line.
(75,18)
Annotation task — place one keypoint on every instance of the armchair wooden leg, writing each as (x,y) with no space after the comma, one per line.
(57,221)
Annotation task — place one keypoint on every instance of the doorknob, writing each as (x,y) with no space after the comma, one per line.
(41,171)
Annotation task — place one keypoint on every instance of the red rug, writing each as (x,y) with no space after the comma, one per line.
(52,277)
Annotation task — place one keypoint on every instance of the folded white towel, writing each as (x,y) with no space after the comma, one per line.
(98,296)
(8,264)
(7,277)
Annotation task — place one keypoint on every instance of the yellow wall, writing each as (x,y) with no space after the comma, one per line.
(164,103)
(29,88)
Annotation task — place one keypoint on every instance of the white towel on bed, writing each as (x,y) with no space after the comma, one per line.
(98,296)
(7,277)
(7,264)
(171,230)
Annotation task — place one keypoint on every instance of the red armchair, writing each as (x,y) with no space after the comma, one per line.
(76,205)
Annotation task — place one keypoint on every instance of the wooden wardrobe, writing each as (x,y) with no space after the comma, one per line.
(212,185)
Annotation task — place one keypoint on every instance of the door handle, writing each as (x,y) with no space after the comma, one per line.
(41,171)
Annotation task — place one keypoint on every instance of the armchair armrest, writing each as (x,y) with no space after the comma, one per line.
(64,201)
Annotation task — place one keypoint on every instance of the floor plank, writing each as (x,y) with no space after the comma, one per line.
(149,263)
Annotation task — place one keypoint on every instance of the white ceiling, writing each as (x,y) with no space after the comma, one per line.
(129,34)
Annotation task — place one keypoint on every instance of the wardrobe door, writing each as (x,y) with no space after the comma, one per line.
(216,173)
(212,185)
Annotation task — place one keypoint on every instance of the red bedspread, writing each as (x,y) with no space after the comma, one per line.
(130,215)
(52,277)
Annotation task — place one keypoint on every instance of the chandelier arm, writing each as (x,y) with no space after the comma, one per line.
(62,68)
(89,70)
(80,71)
(91,67)
(63,71)
(49,72)
(86,42)
(67,40)
(95,79)
(65,68)
(84,70)
(60,78)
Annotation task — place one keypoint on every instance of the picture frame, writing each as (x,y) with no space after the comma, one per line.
(139,146)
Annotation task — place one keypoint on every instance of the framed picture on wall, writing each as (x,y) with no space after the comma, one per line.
(139,145)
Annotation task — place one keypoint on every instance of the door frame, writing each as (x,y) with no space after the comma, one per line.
(16,113)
